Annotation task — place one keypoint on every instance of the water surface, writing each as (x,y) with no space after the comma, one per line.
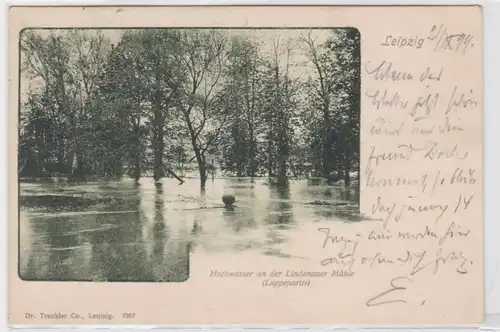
(126,231)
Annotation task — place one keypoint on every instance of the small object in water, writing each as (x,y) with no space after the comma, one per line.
(228,199)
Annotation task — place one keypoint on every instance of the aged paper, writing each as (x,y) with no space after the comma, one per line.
(246,165)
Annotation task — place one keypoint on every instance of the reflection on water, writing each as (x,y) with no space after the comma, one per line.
(123,231)
(280,207)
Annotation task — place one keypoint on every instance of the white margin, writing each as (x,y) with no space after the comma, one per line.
(491,10)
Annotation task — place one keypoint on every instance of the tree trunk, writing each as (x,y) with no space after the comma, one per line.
(347,170)
(137,156)
(251,156)
(200,158)
(202,166)
(158,147)
(326,159)
(73,160)
(239,168)
(37,165)
(175,175)
(270,158)
(158,134)
(282,178)
(76,171)
(203,175)
(137,164)
(212,168)
(158,160)
(252,152)
(327,144)
(80,167)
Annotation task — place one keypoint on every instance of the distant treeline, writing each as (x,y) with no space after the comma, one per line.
(159,100)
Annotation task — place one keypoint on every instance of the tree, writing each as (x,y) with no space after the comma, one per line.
(243,81)
(160,50)
(345,44)
(63,67)
(164,97)
(334,91)
(202,61)
(281,104)
(121,88)
(322,87)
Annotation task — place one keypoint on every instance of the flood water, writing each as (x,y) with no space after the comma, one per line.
(127,231)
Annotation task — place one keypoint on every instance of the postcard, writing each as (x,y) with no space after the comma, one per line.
(246,165)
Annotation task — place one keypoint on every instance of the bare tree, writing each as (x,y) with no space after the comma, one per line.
(322,88)
(63,66)
(282,108)
(203,60)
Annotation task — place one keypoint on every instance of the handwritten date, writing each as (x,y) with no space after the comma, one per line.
(446,41)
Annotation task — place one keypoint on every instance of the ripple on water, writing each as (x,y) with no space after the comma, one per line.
(120,230)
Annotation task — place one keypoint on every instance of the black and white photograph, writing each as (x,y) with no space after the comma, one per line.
(140,147)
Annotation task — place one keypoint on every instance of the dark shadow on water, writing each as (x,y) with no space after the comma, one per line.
(51,250)
(346,213)
(241,183)
(197,226)
(198,218)
(239,218)
(170,259)
(118,249)
(52,203)
(126,231)
(280,207)
(159,228)
(333,201)
(104,246)
(54,251)
(59,242)
(46,180)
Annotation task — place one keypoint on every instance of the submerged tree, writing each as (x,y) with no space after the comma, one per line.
(62,68)
(161,99)
(143,82)
(334,101)
(347,84)
(243,84)
(282,100)
(121,91)
(202,60)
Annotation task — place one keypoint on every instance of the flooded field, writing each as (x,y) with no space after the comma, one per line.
(146,231)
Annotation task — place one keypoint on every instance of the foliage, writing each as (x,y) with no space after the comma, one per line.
(163,102)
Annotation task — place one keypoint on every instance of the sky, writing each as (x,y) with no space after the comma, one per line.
(267,36)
